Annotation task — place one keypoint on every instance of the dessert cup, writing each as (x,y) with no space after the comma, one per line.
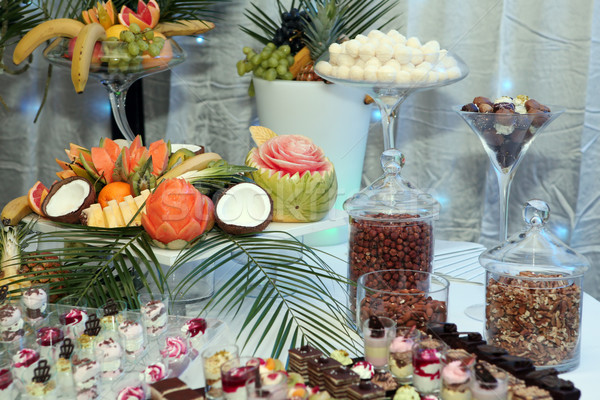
(109,354)
(132,335)
(235,373)
(86,376)
(49,338)
(25,354)
(12,324)
(132,388)
(117,82)
(427,366)
(400,362)
(44,384)
(378,334)
(196,328)
(34,301)
(111,315)
(72,315)
(456,380)
(154,308)
(485,386)
(154,372)
(175,350)
(7,382)
(213,358)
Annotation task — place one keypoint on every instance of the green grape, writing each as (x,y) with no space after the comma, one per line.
(246,50)
(241,69)
(135,28)
(284,62)
(112,69)
(143,45)
(135,61)
(290,60)
(133,49)
(273,62)
(159,41)
(270,74)
(255,59)
(112,39)
(260,71)
(127,36)
(250,55)
(149,34)
(153,50)
(124,66)
(271,45)
(264,64)
(248,67)
(285,49)
(288,76)
(281,70)
(104,59)
(113,61)
(278,55)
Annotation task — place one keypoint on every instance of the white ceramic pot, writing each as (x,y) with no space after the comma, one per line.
(333,116)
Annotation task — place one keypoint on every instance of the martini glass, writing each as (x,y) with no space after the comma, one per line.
(445,69)
(116,80)
(505,138)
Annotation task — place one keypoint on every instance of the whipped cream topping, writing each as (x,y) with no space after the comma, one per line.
(195,326)
(35,299)
(401,344)
(9,316)
(75,316)
(85,371)
(132,393)
(108,350)
(406,393)
(454,373)
(154,373)
(175,347)
(364,369)
(25,357)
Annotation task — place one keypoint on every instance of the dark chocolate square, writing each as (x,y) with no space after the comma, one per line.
(185,394)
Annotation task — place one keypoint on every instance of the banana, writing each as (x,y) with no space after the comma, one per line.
(183,27)
(195,163)
(65,27)
(82,54)
(15,211)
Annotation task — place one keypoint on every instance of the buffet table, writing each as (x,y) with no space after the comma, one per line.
(458,260)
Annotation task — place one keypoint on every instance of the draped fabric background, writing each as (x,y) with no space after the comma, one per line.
(549,51)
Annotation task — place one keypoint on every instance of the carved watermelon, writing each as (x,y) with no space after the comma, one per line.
(297,175)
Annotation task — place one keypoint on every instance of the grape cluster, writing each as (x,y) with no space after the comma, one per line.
(291,31)
(270,64)
(125,54)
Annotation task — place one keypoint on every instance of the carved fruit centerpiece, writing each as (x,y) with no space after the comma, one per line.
(294,171)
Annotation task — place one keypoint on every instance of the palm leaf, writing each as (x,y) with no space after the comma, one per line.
(274,283)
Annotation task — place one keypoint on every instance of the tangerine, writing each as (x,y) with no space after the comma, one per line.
(114,191)
(36,196)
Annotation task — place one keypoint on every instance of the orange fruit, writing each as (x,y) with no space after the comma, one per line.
(114,191)
(36,196)
(115,30)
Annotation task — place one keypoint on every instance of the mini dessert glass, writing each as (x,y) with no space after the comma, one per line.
(7,384)
(35,303)
(25,355)
(154,372)
(86,376)
(43,384)
(109,353)
(154,308)
(12,324)
(485,386)
(234,375)
(72,315)
(400,362)
(427,365)
(63,363)
(49,338)
(111,315)
(379,333)
(213,358)
(456,380)
(132,335)
(132,388)
(175,350)
(196,327)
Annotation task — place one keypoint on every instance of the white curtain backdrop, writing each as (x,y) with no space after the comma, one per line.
(547,50)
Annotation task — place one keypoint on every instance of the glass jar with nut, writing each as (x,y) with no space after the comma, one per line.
(534,294)
(391,226)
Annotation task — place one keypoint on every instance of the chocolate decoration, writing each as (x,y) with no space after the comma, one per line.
(66,349)
(3,293)
(376,327)
(92,326)
(110,308)
(487,380)
(41,373)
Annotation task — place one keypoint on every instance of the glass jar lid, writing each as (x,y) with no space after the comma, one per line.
(535,249)
(392,195)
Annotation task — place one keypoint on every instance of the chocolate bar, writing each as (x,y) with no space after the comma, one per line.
(518,366)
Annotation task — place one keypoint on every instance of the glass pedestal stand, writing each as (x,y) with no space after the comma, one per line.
(115,80)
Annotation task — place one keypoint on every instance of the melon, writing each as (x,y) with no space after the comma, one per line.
(297,175)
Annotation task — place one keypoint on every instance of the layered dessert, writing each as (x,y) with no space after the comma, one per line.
(132,393)
(196,328)
(87,341)
(63,364)
(11,323)
(486,386)
(111,318)
(24,362)
(161,389)
(400,362)
(108,353)
(41,385)
(49,338)
(338,380)
(377,342)
(85,377)
(234,381)
(175,354)
(455,381)
(365,390)
(385,379)
(299,357)
(212,371)
(154,373)
(317,367)
(427,366)
(406,393)
(35,301)
(6,384)
(74,322)
(155,316)
(132,337)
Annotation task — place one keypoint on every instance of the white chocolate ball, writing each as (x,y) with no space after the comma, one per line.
(384,52)
(352,47)
(394,64)
(432,77)
(386,74)
(343,72)
(453,73)
(418,75)
(357,73)
(371,73)
(334,71)
(375,34)
(396,36)
(366,52)
(374,62)
(417,56)
(362,38)
(335,48)
(345,60)
(360,63)
(402,77)
(425,66)
(431,51)
(442,75)
(402,53)
(449,62)
(413,42)
(323,67)
(408,67)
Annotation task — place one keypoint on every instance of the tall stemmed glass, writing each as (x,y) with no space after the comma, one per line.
(117,81)
(390,95)
(506,138)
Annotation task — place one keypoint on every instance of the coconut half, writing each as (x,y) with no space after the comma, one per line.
(67,199)
(243,208)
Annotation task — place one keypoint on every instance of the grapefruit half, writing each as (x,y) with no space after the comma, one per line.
(36,196)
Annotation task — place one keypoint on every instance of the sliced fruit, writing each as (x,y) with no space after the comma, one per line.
(67,199)
(178,157)
(74,151)
(115,31)
(111,147)
(159,151)
(114,206)
(93,216)
(103,163)
(68,173)
(147,16)
(36,196)
(243,208)
(103,13)
(195,163)
(116,191)
(63,164)
(88,165)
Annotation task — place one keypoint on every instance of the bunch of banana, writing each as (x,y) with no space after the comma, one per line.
(87,35)
(14,211)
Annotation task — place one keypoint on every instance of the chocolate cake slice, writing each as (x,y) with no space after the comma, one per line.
(185,394)
(299,357)
(338,380)
(365,390)
(316,368)
(160,389)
